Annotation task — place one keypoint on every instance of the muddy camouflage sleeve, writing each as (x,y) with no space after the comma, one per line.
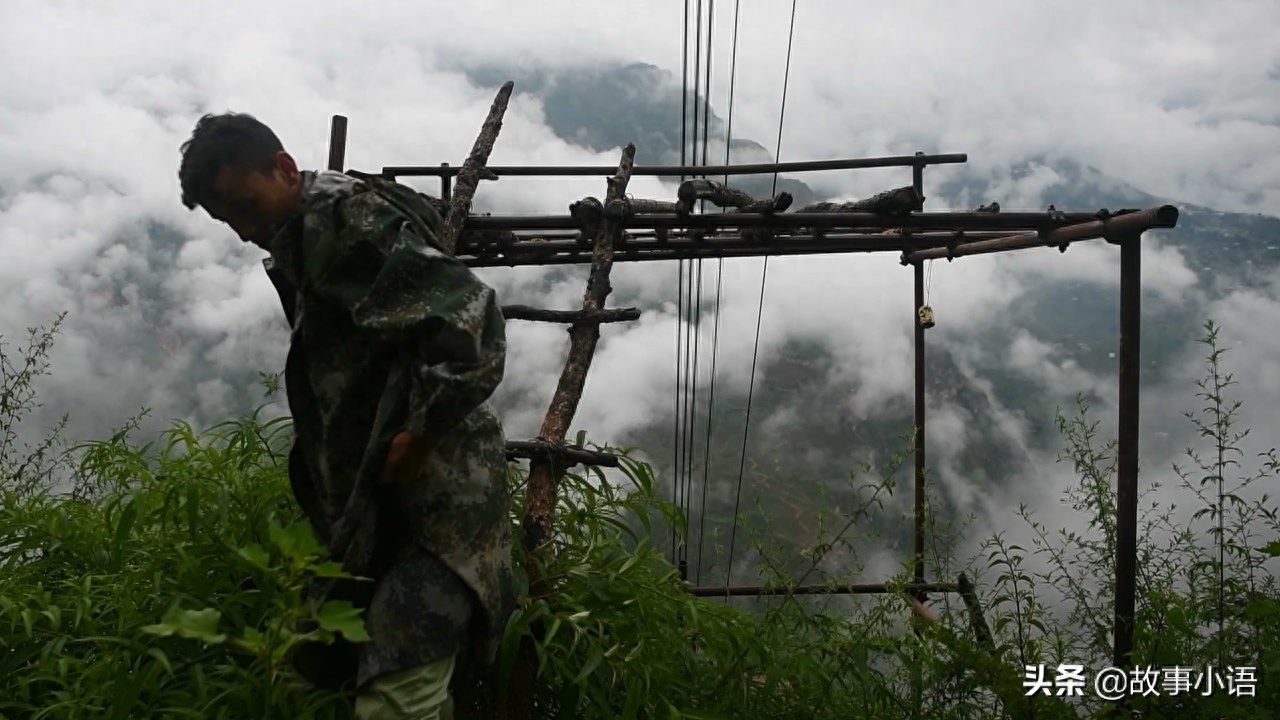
(398,286)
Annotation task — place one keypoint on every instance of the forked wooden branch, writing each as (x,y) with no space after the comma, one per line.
(690,192)
(723,196)
(474,170)
(898,201)
(543,483)
(544,476)
(977,620)
(987,665)
(625,206)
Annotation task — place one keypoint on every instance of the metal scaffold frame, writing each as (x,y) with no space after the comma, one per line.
(625,229)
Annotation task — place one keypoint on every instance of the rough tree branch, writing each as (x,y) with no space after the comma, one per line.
(723,196)
(543,485)
(544,476)
(559,454)
(474,170)
(898,201)
(576,317)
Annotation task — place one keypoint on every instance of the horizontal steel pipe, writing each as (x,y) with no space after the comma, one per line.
(687,252)
(649,242)
(860,589)
(781,221)
(1113,228)
(527,240)
(683,170)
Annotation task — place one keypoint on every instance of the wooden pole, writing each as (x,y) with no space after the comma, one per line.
(473,170)
(544,470)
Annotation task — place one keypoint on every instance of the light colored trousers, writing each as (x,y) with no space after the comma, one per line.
(416,694)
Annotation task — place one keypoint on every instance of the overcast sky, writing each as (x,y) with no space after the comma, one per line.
(1178,98)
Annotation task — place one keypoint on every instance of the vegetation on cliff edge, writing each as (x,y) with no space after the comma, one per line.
(162,578)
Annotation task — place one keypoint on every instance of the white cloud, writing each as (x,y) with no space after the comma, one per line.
(1165,97)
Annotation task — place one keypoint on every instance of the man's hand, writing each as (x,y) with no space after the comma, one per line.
(405,458)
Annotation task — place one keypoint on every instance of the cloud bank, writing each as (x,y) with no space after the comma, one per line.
(168,310)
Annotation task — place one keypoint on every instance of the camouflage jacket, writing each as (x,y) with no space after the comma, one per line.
(390,333)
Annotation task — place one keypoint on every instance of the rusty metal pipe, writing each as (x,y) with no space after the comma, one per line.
(1127,450)
(917,180)
(856,589)
(654,251)
(1116,227)
(534,245)
(394,171)
(918,509)
(940,221)
(337,142)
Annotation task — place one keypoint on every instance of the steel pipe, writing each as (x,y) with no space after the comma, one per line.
(856,589)
(1113,228)
(568,253)
(337,142)
(393,171)
(1127,448)
(916,221)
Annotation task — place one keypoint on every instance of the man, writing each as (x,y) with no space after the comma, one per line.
(398,459)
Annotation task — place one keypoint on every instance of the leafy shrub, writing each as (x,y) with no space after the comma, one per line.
(163,579)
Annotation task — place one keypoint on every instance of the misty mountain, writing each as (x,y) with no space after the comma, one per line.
(164,319)
(802,434)
(606,107)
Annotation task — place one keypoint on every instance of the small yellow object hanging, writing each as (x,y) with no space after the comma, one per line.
(926,316)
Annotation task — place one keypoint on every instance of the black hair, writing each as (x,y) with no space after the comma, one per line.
(235,140)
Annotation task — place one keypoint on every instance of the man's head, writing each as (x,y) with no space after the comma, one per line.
(236,169)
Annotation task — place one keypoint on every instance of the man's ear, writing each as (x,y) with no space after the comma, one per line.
(287,167)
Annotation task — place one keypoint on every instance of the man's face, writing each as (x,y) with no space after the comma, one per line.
(255,203)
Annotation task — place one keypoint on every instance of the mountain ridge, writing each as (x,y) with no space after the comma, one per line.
(1077,318)
(804,426)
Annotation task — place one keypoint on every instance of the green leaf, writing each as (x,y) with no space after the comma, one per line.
(253,640)
(195,624)
(632,707)
(507,649)
(161,658)
(1272,548)
(256,556)
(1262,608)
(340,616)
(551,631)
(295,540)
(593,661)
(127,519)
(193,509)
(330,570)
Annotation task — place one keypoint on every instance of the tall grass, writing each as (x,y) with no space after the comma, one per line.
(165,582)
